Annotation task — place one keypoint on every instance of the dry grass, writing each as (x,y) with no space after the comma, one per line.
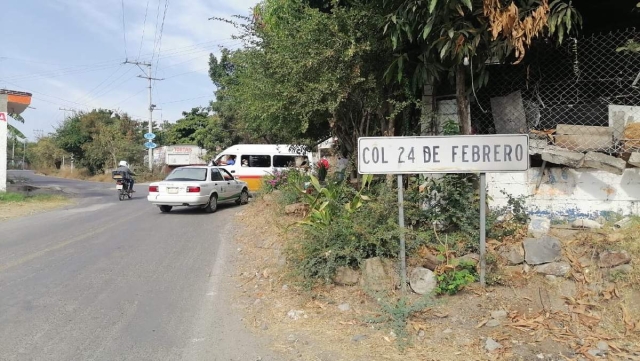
(23,207)
(566,316)
(83,174)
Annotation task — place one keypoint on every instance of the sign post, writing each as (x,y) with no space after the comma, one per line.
(444,154)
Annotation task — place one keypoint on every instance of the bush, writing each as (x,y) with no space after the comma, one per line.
(455,277)
(337,235)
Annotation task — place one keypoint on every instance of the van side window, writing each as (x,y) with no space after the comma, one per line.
(215,175)
(260,161)
(285,161)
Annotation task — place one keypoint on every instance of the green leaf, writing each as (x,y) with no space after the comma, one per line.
(14,132)
(450,33)
(567,20)
(444,49)
(427,28)
(432,5)
(467,3)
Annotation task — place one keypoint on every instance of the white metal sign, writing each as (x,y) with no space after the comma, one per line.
(443,154)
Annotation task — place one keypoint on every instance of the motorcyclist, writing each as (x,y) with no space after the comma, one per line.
(123,167)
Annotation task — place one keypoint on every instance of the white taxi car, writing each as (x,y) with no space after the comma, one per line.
(197,186)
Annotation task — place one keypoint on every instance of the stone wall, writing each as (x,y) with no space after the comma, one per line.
(569,193)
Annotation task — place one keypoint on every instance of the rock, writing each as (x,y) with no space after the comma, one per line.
(539,226)
(296,208)
(421,333)
(622,269)
(602,346)
(560,269)
(551,278)
(512,271)
(346,276)
(358,338)
(379,275)
(609,259)
(448,330)
(594,352)
(491,345)
(268,198)
(295,314)
(292,338)
(472,258)
(422,280)
(264,327)
(493,323)
(586,223)
(498,315)
(285,287)
(604,162)
(344,307)
(623,223)
(431,261)
(513,254)
(542,250)
(564,157)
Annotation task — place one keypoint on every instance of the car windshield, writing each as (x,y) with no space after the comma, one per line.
(188,174)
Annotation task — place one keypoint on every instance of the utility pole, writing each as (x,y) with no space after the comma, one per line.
(147,75)
(24,152)
(65,110)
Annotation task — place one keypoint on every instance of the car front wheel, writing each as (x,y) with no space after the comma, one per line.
(244,197)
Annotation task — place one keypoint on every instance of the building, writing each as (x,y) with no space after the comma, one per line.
(11,102)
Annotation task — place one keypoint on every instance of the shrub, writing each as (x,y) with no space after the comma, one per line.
(454,278)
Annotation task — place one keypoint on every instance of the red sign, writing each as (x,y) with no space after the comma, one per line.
(3,117)
(181,150)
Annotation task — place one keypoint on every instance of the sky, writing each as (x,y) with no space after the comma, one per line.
(69,54)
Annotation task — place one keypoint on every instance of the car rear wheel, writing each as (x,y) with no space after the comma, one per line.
(244,197)
(212,206)
(165,209)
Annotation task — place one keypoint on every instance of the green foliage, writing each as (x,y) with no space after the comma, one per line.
(514,216)
(397,313)
(10,197)
(335,235)
(455,278)
(98,140)
(306,74)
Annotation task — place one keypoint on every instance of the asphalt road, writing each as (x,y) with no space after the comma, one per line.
(111,280)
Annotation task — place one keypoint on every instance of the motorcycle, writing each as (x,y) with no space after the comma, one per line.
(122,186)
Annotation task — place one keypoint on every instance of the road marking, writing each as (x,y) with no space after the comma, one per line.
(40,253)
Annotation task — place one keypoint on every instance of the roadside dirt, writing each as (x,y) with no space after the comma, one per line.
(547,318)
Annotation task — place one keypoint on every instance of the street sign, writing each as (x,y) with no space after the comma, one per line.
(150,145)
(149,136)
(444,154)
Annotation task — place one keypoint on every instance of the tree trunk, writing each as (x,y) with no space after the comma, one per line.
(463,100)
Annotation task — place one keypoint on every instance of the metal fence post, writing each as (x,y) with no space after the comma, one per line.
(403,256)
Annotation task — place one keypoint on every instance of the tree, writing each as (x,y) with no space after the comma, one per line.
(435,39)
(309,72)
(97,138)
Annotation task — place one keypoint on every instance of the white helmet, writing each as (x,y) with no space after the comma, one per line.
(123,163)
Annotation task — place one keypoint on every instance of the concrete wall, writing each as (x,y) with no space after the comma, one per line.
(3,144)
(569,193)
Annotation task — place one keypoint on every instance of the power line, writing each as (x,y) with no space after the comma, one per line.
(102,82)
(166,6)
(171,52)
(184,100)
(144,26)
(124,32)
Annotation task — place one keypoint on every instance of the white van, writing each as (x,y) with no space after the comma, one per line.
(251,162)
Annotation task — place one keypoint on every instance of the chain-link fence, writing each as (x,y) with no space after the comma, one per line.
(582,96)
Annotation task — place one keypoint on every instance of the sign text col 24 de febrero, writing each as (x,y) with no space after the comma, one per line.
(444,154)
